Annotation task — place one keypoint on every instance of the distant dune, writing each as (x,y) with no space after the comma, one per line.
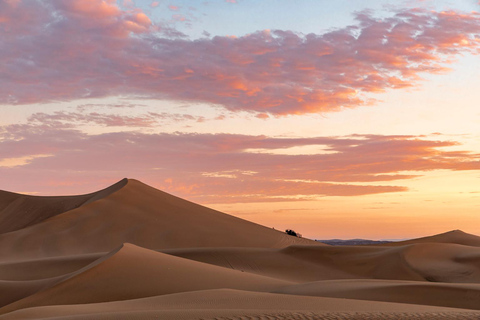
(455,236)
(133,252)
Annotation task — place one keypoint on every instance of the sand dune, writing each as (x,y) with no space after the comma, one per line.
(45,268)
(454,236)
(420,262)
(234,304)
(443,262)
(453,295)
(141,215)
(65,257)
(315,263)
(133,272)
(19,211)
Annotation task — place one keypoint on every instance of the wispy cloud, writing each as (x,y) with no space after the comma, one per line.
(73,119)
(65,50)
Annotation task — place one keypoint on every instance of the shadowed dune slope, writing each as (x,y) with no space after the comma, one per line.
(133,272)
(455,237)
(19,211)
(234,304)
(11,291)
(45,268)
(142,215)
(445,262)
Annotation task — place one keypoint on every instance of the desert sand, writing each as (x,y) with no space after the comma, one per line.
(134,252)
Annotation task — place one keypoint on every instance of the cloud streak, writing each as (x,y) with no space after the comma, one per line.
(66,50)
(216,168)
(73,119)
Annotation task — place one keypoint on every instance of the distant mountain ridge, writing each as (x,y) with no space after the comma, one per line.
(352,242)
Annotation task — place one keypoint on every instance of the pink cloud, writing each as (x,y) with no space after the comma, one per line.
(173,8)
(154,4)
(105,51)
(213,168)
(179,17)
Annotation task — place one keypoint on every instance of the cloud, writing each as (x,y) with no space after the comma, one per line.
(73,119)
(216,168)
(66,50)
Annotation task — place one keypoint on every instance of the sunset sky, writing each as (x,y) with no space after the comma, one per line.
(338,119)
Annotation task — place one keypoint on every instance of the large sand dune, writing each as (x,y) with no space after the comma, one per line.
(141,215)
(133,252)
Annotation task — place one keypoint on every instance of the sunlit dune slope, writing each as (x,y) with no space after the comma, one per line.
(133,272)
(19,211)
(142,215)
(454,236)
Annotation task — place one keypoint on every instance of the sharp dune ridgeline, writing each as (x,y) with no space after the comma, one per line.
(131,251)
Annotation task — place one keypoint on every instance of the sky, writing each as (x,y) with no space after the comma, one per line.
(338,119)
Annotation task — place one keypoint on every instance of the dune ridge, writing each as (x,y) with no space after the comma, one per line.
(133,252)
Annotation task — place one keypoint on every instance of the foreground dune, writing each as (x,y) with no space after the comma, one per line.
(133,252)
(455,295)
(234,304)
